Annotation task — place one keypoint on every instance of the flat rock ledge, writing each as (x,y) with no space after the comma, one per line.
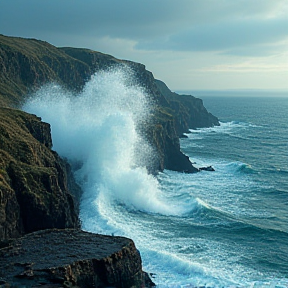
(71,258)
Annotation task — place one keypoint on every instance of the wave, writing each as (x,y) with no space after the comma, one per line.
(170,246)
(239,167)
(98,128)
(223,166)
(230,128)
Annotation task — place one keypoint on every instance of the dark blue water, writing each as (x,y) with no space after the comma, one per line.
(249,190)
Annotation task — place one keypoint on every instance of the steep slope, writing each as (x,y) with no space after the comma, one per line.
(27,64)
(35,187)
(188,110)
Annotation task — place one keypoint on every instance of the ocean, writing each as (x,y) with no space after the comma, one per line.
(227,228)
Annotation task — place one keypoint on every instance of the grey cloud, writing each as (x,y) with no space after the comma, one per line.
(122,18)
(221,25)
(224,36)
(109,17)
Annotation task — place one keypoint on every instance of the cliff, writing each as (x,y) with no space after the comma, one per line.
(37,189)
(188,110)
(35,186)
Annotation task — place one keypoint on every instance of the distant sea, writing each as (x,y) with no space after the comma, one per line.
(237,233)
(227,228)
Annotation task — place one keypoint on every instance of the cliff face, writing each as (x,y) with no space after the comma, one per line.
(188,110)
(33,179)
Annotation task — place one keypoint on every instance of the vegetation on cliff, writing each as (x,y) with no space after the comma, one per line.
(35,187)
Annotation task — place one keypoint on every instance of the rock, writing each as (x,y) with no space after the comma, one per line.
(208,168)
(188,110)
(71,258)
(35,183)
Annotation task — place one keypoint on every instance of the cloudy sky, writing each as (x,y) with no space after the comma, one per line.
(189,44)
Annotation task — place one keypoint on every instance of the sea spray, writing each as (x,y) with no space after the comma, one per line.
(97,130)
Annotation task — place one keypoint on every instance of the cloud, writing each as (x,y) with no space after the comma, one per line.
(232,37)
(183,34)
(246,67)
(129,19)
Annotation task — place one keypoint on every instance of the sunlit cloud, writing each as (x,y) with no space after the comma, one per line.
(247,67)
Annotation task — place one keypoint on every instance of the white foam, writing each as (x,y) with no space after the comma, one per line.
(98,130)
(224,128)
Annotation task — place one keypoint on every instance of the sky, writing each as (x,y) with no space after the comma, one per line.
(188,44)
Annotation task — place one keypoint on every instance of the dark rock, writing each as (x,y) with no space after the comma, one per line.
(34,181)
(147,280)
(72,258)
(188,110)
(208,168)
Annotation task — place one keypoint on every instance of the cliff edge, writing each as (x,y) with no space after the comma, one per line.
(71,258)
(189,111)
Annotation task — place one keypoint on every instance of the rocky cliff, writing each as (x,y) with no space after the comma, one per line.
(188,110)
(35,190)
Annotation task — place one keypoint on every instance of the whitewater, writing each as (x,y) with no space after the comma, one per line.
(226,228)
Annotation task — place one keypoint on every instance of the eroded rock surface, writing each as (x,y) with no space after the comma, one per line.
(35,187)
(70,257)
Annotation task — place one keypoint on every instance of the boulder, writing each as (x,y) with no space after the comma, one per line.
(208,168)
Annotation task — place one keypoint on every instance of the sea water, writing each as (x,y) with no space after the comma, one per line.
(226,228)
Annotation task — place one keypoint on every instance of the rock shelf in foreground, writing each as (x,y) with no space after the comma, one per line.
(70,258)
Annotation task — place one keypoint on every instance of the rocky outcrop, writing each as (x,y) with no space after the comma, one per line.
(71,258)
(27,64)
(188,110)
(164,138)
(35,190)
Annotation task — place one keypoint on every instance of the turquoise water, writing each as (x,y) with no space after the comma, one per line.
(226,228)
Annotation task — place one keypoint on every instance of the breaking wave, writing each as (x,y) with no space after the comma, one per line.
(97,130)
